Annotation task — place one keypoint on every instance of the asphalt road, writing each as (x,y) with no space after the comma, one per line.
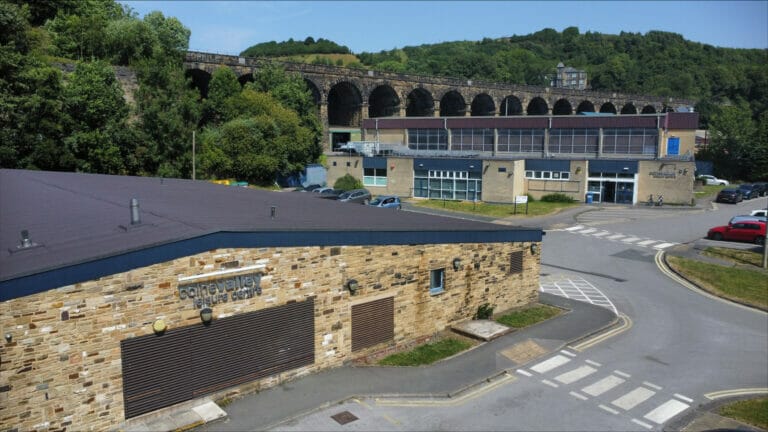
(675,347)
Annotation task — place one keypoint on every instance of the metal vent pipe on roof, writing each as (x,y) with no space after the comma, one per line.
(135,216)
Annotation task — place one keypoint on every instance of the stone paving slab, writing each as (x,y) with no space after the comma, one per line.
(482,329)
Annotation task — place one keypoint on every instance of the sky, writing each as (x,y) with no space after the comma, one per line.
(229,27)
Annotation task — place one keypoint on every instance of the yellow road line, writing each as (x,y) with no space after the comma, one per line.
(444,401)
(735,392)
(626,324)
(358,401)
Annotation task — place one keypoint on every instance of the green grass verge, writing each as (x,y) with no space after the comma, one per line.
(737,256)
(536,208)
(426,354)
(738,284)
(753,412)
(529,316)
(702,191)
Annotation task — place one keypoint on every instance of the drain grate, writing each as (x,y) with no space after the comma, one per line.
(344,417)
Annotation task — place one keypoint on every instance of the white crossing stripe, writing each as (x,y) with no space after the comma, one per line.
(643,424)
(549,364)
(593,363)
(550,383)
(651,385)
(568,353)
(603,385)
(631,239)
(578,396)
(633,398)
(664,245)
(679,396)
(666,411)
(524,372)
(575,375)
(615,236)
(600,234)
(574,228)
(609,409)
(620,373)
(646,242)
(588,230)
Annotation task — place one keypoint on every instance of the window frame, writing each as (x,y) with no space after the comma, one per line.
(440,287)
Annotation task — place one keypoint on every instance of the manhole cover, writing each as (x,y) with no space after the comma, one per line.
(344,417)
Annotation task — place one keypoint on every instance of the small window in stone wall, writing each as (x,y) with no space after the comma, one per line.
(334,163)
(437,281)
(516,262)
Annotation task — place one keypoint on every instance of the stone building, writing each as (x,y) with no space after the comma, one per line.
(606,158)
(120,296)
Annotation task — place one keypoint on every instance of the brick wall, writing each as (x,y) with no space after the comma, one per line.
(62,367)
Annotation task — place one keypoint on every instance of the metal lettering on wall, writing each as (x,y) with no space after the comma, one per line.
(212,292)
(662,174)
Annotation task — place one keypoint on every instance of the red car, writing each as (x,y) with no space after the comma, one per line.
(746,231)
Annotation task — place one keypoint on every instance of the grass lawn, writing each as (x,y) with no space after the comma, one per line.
(737,256)
(753,412)
(702,191)
(536,208)
(427,354)
(529,316)
(738,284)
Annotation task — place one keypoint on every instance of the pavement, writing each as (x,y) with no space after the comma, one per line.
(500,351)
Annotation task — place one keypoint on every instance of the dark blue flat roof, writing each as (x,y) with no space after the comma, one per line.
(80,224)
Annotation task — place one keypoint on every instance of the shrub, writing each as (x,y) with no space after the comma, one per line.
(531,198)
(557,197)
(348,183)
(484,311)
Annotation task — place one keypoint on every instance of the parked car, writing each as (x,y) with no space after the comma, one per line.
(308,188)
(762,188)
(748,191)
(387,202)
(712,180)
(361,196)
(747,231)
(321,190)
(746,218)
(731,195)
(761,212)
(332,194)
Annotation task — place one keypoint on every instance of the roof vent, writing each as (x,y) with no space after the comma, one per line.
(273,212)
(25,241)
(135,216)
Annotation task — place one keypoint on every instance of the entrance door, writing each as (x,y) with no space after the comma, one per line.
(624,192)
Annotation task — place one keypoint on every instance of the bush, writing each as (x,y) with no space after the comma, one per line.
(557,197)
(531,198)
(484,311)
(348,183)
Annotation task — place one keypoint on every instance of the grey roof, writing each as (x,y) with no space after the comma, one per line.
(78,220)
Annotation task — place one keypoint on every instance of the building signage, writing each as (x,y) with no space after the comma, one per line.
(209,293)
(662,174)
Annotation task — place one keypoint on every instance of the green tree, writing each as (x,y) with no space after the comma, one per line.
(732,132)
(223,86)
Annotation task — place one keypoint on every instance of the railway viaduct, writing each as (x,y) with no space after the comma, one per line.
(346,96)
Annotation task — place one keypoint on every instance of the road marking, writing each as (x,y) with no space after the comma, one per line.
(643,424)
(633,398)
(679,396)
(574,228)
(626,324)
(575,375)
(588,230)
(593,363)
(663,245)
(603,385)
(578,396)
(646,242)
(578,289)
(609,409)
(568,353)
(600,234)
(666,411)
(359,402)
(735,392)
(615,236)
(447,401)
(550,383)
(523,372)
(549,364)
(631,239)
(390,419)
(653,386)
(620,373)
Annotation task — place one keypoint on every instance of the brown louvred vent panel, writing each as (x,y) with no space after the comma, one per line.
(186,363)
(516,262)
(373,323)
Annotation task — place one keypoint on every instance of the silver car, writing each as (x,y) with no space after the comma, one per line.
(360,196)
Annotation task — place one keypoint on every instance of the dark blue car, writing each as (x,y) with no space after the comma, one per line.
(749,191)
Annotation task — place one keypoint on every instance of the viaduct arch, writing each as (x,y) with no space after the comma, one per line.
(346,96)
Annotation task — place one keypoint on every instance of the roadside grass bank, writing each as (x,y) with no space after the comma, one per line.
(449,345)
(535,208)
(529,316)
(740,284)
(747,258)
(709,190)
(753,412)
